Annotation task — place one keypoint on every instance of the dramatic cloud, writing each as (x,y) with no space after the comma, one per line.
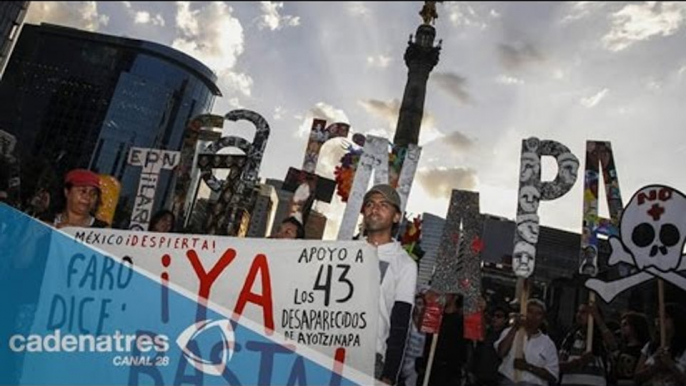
(456,141)
(559,73)
(320,111)
(681,72)
(238,81)
(638,22)
(506,79)
(389,112)
(143,17)
(380,61)
(235,103)
(278,113)
(463,14)
(271,18)
(515,57)
(83,15)
(358,8)
(218,44)
(653,85)
(455,85)
(220,40)
(439,183)
(593,100)
(581,9)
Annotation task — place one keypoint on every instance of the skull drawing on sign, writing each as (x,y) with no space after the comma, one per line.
(653,227)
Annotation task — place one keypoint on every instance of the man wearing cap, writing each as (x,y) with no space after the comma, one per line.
(381,212)
(82,193)
(539,364)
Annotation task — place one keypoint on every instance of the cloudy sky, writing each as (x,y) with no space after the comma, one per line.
(568,72)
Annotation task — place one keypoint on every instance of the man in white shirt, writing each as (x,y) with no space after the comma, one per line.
(381,211)
(540,364)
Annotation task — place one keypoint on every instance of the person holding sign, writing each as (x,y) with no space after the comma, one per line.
(82,193)
(635,333)
(485,357)
(451,347)
(540,363)
(382,214)
(578,365)
(665,365)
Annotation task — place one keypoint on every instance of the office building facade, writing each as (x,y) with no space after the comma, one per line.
(78,99)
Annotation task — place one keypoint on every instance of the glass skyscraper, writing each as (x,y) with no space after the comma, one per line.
(80,99)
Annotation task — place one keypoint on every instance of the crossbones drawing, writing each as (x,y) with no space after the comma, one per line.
(653,233)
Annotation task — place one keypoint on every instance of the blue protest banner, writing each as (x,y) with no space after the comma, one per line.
(75,315)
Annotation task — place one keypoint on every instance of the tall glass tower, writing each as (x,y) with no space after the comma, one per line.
(80,99)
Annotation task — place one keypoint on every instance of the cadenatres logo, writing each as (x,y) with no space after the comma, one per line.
(194,331)
(56,342)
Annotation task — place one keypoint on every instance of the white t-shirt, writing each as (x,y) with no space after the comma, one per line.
(539,350)
(398,282)
(663,379)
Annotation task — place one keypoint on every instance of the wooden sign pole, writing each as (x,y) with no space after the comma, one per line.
(589,326)
(661,305)
(429,364)
(521,333)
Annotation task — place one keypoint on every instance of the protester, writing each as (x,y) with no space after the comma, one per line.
(162,221)
(485,359)
(82,194)
(415,344)
(665,366)
(635,333)
(290,228)
(381,212)
(539,364)
(451,348)
(577,366)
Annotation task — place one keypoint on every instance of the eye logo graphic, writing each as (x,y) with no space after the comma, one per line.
(198,328)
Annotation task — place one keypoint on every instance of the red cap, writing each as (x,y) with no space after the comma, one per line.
(82,177)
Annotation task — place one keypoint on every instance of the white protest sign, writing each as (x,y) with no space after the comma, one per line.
(321,294)
(153,161)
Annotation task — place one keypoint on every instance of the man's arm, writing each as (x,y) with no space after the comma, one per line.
(568,364)
(608,337)
(504,344)
(644,371)
(550,370)
(401,317)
